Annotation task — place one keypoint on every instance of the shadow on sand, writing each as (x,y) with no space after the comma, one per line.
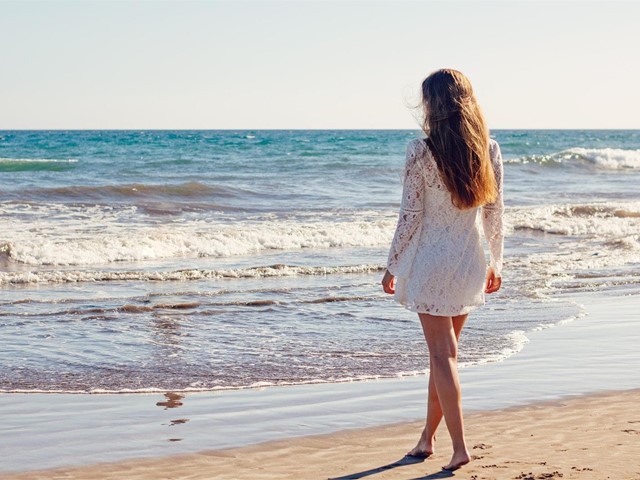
(433,476)
(406,460)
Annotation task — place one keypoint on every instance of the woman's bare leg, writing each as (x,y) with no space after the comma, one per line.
(425,446)
(443,355)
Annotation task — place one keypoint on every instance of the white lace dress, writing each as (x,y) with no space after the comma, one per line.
(436,254)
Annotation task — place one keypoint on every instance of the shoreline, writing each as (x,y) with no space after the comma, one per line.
(64,432)
(581,437)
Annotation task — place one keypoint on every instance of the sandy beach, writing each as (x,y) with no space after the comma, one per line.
(594,437)
(561,408)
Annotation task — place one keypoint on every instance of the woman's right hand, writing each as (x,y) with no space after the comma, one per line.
(388,282)
(493,282)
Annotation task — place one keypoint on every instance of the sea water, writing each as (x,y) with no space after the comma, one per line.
(137,261)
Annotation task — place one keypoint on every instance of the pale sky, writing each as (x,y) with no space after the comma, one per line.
(313,64)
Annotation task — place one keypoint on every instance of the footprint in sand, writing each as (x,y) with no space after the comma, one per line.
(525,476)
(540,476)
(481,446)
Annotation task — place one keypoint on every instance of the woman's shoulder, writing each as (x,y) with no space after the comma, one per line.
(417,147)
(494,149)
(417,144)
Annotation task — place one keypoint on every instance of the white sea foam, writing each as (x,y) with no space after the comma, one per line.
(102,235)
(516,340)
(556,270)
(593,238)
(72,276)
(607,158)
(212,388)
(603,220)
(98,235)
(546,326)
(600,158)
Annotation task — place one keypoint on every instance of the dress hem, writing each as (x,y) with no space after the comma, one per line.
(438,312)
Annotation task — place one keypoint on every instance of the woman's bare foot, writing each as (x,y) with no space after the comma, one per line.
(458,460)
(424,448)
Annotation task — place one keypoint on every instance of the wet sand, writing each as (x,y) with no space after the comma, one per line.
(592,437)
(567,427)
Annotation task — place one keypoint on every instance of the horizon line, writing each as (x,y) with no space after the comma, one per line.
(284,129)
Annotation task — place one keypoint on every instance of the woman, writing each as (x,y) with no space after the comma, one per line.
(436,264)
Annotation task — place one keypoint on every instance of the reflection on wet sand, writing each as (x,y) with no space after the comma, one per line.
(178,421)
(172,400)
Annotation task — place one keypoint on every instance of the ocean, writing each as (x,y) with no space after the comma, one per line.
(155,261)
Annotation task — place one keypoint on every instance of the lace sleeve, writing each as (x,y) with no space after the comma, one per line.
(410,218)
(492,215)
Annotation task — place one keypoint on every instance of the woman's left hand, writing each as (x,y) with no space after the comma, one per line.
(493,282)
(388,282)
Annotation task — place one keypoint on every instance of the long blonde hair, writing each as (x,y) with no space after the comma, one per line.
(458,138)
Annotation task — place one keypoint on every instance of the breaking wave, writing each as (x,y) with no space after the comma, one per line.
(606,221)
(599,158)
(222,240)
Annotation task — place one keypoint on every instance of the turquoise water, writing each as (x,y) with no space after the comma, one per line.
(189,260)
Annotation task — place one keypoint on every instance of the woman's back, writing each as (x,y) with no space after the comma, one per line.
(437,253)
